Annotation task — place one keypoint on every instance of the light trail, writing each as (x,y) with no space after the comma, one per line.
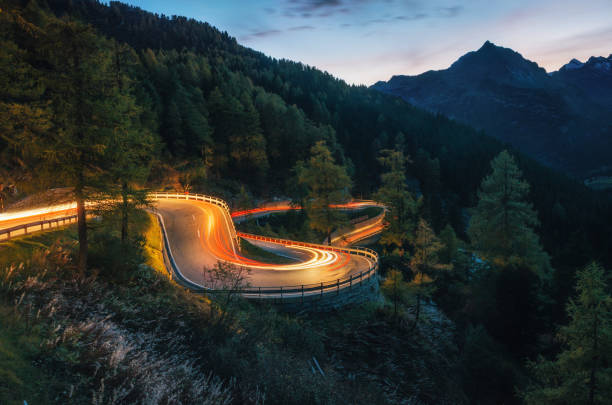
(201,233)
(54,210)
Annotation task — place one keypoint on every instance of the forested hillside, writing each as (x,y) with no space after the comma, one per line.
(114,98)
(212,100)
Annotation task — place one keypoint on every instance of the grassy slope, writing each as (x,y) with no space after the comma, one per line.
(256,253)
(20,337)
(20,378)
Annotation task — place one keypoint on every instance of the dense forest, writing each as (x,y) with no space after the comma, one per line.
(171,102)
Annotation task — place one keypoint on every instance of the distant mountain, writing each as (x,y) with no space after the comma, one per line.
(562,119)
(593,77)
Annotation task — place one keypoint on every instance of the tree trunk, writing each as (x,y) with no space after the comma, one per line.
(395,302)
(592,381)
(82,229)
(418,310)
(124,213)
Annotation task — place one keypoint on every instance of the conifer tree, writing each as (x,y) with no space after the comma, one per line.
(328,184)
(132,145)
(401,206)
(425,263)
(23,114)
(79,82)
(395,287)
(450,241)
(502,226)
(582,372)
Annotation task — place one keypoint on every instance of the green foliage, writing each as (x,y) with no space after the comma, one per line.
(489,371)
(396,289)
(582,372)
(450,252)
(244,200)
(402,208)
(502,226)
(425,263)
(328,184)
(255,252)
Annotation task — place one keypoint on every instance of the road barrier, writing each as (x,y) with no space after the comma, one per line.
(199,197)
(296,291)
(23,229)
(303,289)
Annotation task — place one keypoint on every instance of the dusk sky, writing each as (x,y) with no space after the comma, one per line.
(363,41)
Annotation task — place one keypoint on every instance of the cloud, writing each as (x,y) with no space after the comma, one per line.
(418,16)
(321,8)
(302,28)
(260,34)
(273,32)
(450,12)
(581,46)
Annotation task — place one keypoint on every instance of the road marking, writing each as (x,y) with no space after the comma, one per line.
(198,233)
(193,217)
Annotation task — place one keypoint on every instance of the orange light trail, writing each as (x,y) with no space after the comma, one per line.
(214,234)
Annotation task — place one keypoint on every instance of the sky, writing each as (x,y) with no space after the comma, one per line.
(364,41)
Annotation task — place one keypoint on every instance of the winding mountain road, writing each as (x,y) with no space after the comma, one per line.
(200,232)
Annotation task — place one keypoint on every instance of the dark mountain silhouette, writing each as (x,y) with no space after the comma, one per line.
(561,119)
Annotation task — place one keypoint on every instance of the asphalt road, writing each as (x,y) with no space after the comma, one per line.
(199,235)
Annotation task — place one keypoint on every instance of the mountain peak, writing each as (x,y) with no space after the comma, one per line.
(488,45)
(497,63)
(573,64)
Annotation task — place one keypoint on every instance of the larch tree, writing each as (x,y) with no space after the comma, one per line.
(402,207)
(328,184)
(75,152)
(502,226)
(582,372)
(425,263)
(132,145)
(24,115)
(396,289)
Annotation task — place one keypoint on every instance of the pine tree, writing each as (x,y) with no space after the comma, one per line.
(23,114)
(402,208)
(79,82)
(395,287)
(328,184)
(449,239)
(245,201)
(132,146)
(425,263)
(502,226)
(582,372)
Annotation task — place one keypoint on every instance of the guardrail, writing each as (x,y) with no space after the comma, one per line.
(309,289)
(250,292)
(8,233)
(271,292)
(199,197)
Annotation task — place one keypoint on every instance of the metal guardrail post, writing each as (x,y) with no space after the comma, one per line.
(302,293)
(338,287)
(321,289)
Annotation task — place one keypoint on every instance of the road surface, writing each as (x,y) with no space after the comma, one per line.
(199,235)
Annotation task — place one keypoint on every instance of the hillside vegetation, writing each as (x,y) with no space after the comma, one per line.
(478,259)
